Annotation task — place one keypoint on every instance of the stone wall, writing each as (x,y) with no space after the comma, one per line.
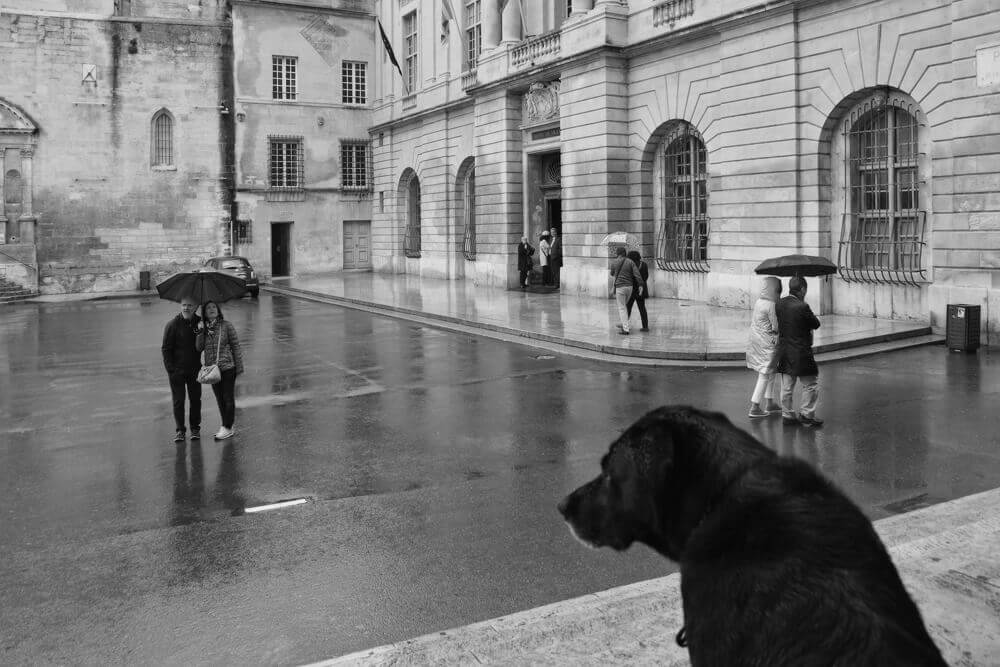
(92,87)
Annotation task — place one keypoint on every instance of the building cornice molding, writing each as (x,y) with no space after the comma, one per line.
(101,18)
(304,6)
(420,115)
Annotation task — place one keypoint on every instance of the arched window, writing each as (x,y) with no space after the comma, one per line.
(411,237)
(163,139)
(469,214)
(883,227)
(682,224)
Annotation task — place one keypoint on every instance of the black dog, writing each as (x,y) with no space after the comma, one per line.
(777,566)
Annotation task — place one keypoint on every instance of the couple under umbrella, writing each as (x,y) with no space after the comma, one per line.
(188,335)
(781,335)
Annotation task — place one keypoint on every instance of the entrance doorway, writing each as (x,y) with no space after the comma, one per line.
(553,213)
(281,248)
(357,242)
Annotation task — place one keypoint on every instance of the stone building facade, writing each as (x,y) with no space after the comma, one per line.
(303,153)
(719,133)
(113,139)
(131,136)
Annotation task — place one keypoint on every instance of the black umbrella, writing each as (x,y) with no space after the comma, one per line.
(202,284)
(796,265)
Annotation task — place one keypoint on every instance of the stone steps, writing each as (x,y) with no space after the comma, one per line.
(11,291)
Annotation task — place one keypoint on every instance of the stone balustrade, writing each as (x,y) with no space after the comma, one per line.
(535,50)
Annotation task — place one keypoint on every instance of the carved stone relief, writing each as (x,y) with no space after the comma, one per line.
(541,102)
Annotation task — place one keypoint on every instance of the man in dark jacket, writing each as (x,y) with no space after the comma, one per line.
(182,361)
(794,355)
(555,257)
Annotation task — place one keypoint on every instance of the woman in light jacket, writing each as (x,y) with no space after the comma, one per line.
(217,335)
(760,348)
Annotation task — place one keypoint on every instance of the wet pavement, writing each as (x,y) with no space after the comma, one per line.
(432,462)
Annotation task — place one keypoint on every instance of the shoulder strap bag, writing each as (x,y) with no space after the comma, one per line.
(212,374)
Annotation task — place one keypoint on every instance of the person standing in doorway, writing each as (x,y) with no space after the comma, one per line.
(181,359)
(625,273)
(794,355)
(639,290)
(524,253)
(760,348)
(218,339)
(544,248)
(555,257)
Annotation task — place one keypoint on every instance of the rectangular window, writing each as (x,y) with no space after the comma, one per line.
(283,77)
(285,163)
(410,39)
(242,232)
(354,82)
(354,165)
(473,32)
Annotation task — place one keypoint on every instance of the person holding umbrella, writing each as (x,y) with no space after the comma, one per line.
(181,359)
(218,339)
(794,355)
(180,339)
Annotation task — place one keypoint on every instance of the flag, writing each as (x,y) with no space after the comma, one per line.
(447,14)
(388,48)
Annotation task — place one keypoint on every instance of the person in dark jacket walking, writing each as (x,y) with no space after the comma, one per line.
(639,290)
(794,355)
(626,274)
(524,253)
(181,359)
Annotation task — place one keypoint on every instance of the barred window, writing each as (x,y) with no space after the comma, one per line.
(355,163)
(285,161)
(242,232)
(354,82)
(473,32)
(283,85)
(410,39)
(883,235)
(411,236)
(163,139)
(682,231)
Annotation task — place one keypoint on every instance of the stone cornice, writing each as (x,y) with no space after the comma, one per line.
(40,13)
(305,6)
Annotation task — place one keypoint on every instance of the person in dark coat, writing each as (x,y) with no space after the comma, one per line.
(555,257)
(524,253)
(639,290)
(794,355)
(183,361)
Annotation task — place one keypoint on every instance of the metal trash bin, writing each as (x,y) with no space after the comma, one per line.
(144,280)
(962,327)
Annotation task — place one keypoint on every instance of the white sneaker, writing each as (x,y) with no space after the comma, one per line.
(224,433)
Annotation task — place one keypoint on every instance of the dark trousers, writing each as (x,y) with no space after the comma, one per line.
(225,396)
(555,274)
(546,275)
(641,303)
(180,383)
(523,277)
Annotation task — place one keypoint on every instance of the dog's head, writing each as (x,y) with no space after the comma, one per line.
(658,479)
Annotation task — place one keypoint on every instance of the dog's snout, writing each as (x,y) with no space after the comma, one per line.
(564,506)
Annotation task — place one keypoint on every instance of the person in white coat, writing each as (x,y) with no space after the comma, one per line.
(760,348)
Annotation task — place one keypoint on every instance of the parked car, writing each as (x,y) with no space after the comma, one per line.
(239,266)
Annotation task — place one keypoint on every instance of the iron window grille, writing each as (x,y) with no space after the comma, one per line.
(355,165)
(283,77)
(411,235)
(469,197)
(163,139)
(285,160)
(354,82)
(473,33)
(410,39)
(242,233)
(682,233)
(883,227)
